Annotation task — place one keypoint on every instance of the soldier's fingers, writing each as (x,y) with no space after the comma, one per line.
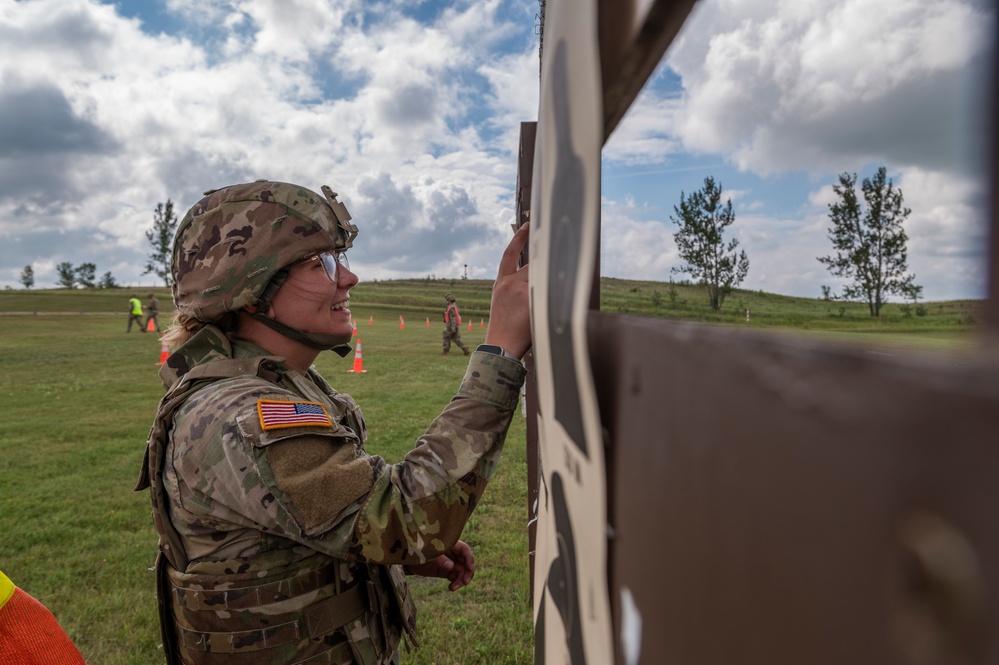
(460,578)
(511,255)
(445,566)
(467,574)
(462,551)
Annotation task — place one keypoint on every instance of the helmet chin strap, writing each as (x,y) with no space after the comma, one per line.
(338,344)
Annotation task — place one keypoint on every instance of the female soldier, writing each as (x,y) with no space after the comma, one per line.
(281,539)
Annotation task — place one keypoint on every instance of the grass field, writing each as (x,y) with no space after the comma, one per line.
(417,299)
(79,395)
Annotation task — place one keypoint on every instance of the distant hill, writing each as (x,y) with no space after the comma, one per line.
(683,301)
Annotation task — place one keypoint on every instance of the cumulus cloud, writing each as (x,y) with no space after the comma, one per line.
(946,236)
(637,243)
(412,111)
(799,90)
(103,116)
(842,81)
(411,227)
(512,94)
(647,133)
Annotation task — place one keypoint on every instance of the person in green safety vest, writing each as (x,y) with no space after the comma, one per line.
(134,313)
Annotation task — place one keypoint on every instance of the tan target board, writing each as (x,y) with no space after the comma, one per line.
(571,607)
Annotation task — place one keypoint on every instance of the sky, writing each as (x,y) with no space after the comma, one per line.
(411,109)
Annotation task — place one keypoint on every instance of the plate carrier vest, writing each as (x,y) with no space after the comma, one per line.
(338,618)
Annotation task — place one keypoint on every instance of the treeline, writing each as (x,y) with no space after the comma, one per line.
(70,277)
(83,276)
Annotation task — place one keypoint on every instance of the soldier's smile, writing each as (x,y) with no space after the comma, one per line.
(310,302)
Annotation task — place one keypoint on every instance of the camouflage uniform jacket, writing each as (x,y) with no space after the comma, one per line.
(241,502)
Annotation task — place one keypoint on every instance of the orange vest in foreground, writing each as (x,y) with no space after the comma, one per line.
(29,634)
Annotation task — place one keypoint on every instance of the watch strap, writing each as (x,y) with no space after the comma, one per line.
(495,350)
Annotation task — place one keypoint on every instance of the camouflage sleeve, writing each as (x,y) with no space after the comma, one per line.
(416,509)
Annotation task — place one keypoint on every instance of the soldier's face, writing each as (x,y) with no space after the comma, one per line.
(309,301)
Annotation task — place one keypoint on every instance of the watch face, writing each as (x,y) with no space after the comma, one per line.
(490,348)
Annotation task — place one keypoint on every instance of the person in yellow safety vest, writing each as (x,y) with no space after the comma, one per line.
(29,634)
(134,313)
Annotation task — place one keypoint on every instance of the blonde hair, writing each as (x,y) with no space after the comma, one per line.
(183,327)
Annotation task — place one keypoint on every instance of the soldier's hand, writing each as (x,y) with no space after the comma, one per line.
(457,565)
(509,311)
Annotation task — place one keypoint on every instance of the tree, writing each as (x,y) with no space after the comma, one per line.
(869,245)
(161,239)
(67,276)
(85,275)
(107,281)
(709,259)
(28,276)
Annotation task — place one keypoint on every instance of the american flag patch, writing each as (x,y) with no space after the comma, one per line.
(275,415)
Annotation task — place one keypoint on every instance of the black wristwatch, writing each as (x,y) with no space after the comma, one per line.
(495,350)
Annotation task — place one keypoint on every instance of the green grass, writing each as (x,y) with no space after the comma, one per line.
(79,395)
(419,299)
(768,310)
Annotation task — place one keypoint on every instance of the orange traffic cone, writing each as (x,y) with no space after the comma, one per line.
(482,323)
(355,330)
(402,323)
(428,321)
(164,352)
(371,321)
(469,324)
(358,360)
(150,326)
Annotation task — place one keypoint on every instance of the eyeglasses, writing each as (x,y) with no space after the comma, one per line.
(331,263)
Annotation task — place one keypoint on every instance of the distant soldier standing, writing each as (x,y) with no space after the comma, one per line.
(152,312)
(452,323)
(134,313)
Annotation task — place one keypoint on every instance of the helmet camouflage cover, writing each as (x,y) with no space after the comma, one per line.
(233,242)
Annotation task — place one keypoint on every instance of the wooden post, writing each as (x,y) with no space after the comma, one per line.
(525,172)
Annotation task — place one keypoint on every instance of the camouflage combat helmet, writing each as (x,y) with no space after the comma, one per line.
(233,247)
(449,297)
(233,242)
